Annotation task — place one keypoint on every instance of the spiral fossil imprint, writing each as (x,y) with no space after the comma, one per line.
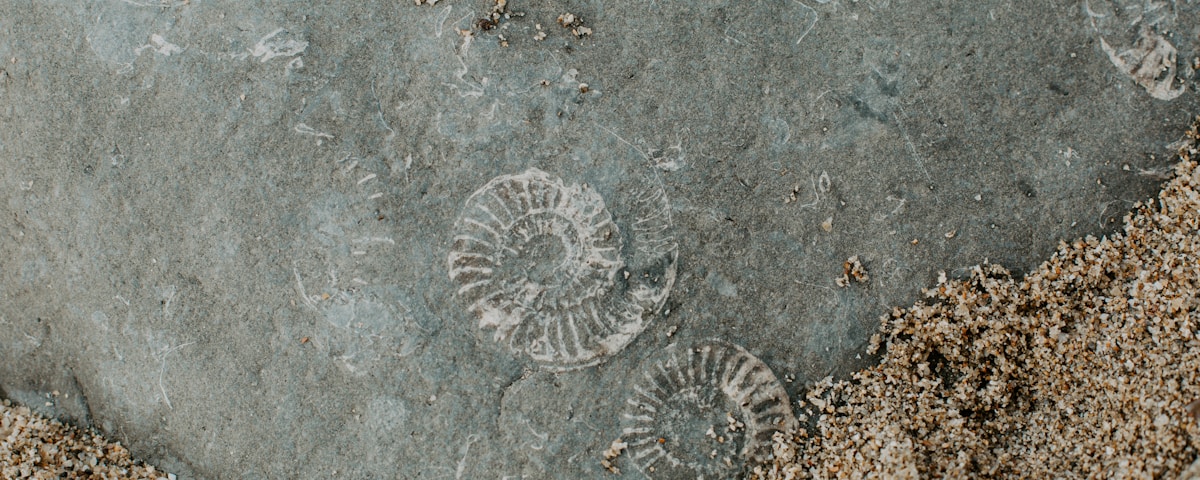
(703,412)
(543,264)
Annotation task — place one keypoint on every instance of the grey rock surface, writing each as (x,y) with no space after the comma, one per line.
(225,226)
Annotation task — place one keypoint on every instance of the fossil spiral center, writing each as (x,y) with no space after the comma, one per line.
(697,432)
(544,259)
(541,257)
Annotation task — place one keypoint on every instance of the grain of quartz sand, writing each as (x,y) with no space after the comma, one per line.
(1089,367)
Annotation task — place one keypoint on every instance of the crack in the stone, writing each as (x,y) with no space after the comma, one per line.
(87,405)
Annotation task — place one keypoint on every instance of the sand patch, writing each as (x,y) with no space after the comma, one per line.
(1087,367)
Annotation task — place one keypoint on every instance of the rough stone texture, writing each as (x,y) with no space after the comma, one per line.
(192,246)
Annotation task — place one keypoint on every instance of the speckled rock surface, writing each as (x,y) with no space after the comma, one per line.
(226,229)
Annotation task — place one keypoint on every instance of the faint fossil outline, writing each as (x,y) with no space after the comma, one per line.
(706,375)
(588,305)
(362,326)
(364,323)
(1137,47)
(1150,63)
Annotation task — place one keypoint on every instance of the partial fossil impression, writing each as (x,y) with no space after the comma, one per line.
(703,411)
(545,265)
(1134,34)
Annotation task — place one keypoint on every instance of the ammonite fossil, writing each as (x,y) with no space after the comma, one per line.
(703,411)
(544,264)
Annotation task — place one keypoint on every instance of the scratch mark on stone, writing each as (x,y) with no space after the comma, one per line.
(912,150)
(307,300)
(387,240)
(163,368)
(623,140)
(268,48)
(441,20)
(158,4)
(811,24)
(462,463)
(168,297)
(307,130)
(159,45)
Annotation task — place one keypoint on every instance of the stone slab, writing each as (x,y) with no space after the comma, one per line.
(225,226)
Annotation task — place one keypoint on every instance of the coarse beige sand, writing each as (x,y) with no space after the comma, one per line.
(32,446)
(1089,367)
